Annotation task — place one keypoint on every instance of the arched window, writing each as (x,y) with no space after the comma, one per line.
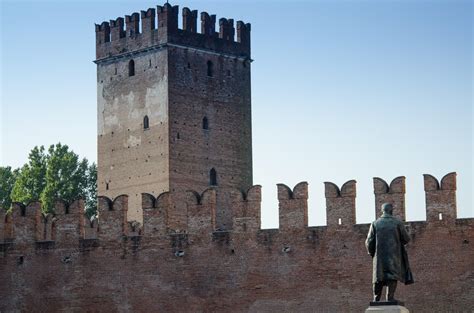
(131,68)
(146,122)
(213,177)
(210,69)
(205,123)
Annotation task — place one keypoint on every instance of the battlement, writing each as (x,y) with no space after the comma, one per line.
(25,224)
(160,28)
(393,193)
(158,260)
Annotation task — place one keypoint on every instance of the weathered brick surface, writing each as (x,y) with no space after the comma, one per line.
(155,213)
(226,146)
(172,87)
(395,194)
(440,197)
(119,38)
(113,215)
(3,223)
(201,212)
(26,223)
(68,224)
(340,203)
(246,208)
(131,159)
(293,206)
(295,268)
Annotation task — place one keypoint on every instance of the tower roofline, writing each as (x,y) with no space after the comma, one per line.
(112,39)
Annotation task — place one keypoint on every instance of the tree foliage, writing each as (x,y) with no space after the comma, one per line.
(66,177)
(7,180)
(91,191)
(32,177)
(56,174)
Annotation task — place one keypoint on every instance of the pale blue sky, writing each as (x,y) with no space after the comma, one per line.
(341,90)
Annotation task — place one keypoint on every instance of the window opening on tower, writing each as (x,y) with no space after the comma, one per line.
(210,69)
(213,177)
(131,68)
(146,122)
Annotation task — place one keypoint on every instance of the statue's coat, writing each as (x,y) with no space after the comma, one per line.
(385,243)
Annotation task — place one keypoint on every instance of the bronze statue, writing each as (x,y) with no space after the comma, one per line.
(386,244)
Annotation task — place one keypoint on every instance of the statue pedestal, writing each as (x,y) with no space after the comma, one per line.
(387,307)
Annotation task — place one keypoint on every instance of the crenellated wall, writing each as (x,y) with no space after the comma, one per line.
(110,264)
(340,203)
(440,197)
(293,206)
(160,27)
(246,207)
(393,193)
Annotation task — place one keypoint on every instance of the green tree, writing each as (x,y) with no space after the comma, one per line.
(91,191)
(32,177)
(66,177)
(7,181)
(56,174)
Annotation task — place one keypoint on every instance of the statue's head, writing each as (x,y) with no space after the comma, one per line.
(387,208)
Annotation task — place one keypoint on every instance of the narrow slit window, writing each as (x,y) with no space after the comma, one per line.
(213,177)
(340,221)
(146,122)
(205,123)
(210,69)
(131,68)
(106,186)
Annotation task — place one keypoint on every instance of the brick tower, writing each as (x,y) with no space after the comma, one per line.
(174,107)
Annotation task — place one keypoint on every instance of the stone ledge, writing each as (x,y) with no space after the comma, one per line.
(384,303)
(387,308)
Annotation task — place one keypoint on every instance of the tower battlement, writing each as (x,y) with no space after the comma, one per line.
(152,29)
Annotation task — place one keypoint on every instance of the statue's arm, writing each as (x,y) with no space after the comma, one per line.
(405,237)
(370,241)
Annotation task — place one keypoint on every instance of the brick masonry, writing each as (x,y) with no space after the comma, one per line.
(68,263)
(180,77)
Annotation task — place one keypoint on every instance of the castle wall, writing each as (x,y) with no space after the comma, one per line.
(198,269)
